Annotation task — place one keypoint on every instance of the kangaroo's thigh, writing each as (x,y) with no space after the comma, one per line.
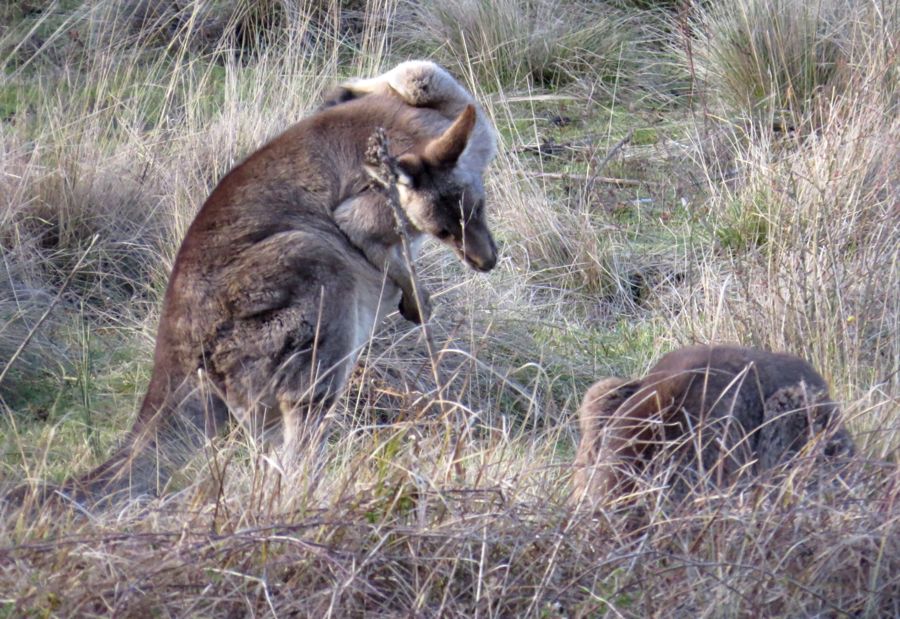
(290,337)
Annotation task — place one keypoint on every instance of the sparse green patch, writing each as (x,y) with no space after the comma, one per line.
(78,411)
(744,224)
(17,100)
(607,596)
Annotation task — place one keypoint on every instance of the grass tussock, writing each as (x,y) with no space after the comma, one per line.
(781,61)
(440,484)
(546,41)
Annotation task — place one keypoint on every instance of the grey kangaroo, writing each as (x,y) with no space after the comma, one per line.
(293,260)
(719,411)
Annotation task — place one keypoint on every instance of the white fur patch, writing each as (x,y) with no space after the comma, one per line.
(422,83)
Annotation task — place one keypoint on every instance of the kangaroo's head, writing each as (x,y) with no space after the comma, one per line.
(443,198)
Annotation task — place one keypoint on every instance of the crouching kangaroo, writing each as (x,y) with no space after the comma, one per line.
(289,265)
(718,411)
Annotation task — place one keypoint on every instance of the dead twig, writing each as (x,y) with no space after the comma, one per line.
(614,150)
(587,178)
(378,156)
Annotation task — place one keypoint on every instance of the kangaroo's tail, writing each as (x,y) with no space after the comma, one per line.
(168,432)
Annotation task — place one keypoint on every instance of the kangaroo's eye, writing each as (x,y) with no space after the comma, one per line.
(443,234)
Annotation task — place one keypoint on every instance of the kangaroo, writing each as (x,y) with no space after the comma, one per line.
(290,264)
(720,410)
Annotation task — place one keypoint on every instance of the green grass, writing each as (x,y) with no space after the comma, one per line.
(745,224)
(86,398)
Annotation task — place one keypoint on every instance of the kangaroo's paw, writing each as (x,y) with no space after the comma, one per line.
(412,311)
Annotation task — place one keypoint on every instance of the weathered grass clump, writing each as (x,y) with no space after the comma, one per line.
(781,61)
(547,41)
(804,251)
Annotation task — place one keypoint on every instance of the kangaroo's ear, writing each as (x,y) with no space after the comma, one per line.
(445,150)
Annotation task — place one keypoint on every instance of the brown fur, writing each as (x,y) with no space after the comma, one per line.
(281,278)
(720,411)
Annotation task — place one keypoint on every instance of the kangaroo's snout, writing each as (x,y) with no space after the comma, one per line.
(478,248)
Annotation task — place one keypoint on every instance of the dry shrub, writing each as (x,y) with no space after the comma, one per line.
(75,206)
(28,325)
(240,27)
(558,243)
(506,41)
(780,61)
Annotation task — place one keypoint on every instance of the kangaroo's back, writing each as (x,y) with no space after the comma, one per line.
(708,382)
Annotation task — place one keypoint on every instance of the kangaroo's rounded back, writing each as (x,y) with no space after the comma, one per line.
(716,412)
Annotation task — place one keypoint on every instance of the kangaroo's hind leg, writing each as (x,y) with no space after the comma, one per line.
(295,334)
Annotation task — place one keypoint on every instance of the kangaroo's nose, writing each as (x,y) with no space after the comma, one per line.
(484,263)
(477,248)
(482,256)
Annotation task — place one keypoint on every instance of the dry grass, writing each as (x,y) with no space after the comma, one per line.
(780,61)
(446,497)
(506,42)
(373,527)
